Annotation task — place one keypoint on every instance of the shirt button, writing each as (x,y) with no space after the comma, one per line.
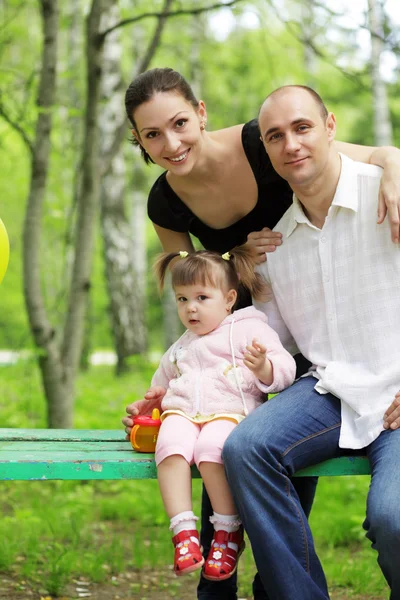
(322,239)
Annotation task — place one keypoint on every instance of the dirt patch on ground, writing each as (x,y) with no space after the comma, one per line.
(142,585)
(128,586)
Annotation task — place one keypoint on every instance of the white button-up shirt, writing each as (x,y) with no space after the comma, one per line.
(336,294)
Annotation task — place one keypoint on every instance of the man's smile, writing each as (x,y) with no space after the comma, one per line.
(297,161)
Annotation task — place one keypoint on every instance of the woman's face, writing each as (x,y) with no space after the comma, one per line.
(168,128)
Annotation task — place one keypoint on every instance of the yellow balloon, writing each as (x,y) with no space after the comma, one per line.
(4,250)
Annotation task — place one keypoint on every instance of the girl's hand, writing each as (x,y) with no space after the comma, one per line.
(389,198)
(152,399)
(391,418)
(256,360)
(264,241)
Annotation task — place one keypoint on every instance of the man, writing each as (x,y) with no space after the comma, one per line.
(336,295)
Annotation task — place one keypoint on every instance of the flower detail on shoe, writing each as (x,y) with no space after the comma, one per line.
(217,554)
(188,552)
(214,564)
(222,560)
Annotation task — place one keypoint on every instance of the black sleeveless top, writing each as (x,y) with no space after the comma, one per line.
(167,210)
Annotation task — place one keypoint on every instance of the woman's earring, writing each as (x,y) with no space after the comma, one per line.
(203,124)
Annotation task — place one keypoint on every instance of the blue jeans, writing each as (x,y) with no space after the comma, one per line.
(297,429)
(227,589)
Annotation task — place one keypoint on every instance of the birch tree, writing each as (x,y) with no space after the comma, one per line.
(124,247)
(115,229)
(308,22)
(382,123)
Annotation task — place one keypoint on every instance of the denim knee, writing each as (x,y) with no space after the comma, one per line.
(383,529)
(232,452)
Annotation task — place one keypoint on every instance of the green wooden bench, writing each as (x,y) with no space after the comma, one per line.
(81,454)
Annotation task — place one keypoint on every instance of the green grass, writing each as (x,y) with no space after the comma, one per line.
(62,530)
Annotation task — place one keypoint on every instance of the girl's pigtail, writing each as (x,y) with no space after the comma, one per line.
(161,265)
(244,262)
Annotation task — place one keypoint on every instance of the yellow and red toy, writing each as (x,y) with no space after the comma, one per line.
(145,432)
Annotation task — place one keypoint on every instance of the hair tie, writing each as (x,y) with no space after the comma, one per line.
(226,256)
(183,254)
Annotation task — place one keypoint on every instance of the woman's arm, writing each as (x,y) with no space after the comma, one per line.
(173,241)
(388,158)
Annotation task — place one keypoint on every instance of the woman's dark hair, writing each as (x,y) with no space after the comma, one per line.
(151,82)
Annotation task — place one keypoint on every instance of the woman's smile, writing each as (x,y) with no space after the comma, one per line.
(180,158)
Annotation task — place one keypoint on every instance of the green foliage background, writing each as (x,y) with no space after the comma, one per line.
(232,76)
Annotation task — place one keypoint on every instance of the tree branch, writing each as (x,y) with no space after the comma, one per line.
(176,13)
(318,52)
(393,46)
(162,19)
(14,125)
(143,65)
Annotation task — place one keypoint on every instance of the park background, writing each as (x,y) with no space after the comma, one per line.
(79,288)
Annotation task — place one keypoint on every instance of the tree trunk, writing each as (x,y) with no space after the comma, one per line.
(58,367)
(87,207)
(122,283)
(308,27)
(125,260)
(53,375)
(382,123)
(73,44)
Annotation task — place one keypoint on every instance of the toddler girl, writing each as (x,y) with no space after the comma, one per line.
(208,381)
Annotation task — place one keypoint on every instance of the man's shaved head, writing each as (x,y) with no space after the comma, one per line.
(313,93)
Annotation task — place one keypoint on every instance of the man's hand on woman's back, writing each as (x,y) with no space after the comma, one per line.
(263,241)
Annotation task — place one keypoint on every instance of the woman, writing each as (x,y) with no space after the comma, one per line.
(220,187)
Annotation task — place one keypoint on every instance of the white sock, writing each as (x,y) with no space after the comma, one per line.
(229,523)
(182,521)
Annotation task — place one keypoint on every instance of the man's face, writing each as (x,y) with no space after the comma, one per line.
(296,136)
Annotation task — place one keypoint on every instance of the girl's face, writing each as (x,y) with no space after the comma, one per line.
(202,308)
(168,128)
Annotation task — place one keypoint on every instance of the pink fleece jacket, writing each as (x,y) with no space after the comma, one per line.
(199,375)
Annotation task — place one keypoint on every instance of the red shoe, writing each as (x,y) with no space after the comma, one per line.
(188,554)
(222,561)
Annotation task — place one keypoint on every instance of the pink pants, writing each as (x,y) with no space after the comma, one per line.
(195,442)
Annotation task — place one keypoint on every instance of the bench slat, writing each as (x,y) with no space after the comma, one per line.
(345,465)
(105,435)
(64,447)
(40,454)
(80,470)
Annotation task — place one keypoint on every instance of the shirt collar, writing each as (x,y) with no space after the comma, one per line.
(346,195)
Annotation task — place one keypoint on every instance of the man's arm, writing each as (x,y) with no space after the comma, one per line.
(387,157)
